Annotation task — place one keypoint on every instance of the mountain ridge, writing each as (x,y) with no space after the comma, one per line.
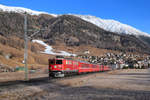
(22,10)
(70,30)
(113,25)
(108,25)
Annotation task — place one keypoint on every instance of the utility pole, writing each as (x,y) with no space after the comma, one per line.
(26,39)
(25,47)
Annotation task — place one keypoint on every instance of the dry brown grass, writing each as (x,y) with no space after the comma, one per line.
(35,58)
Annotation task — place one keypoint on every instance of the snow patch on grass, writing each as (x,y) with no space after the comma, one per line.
(49,49)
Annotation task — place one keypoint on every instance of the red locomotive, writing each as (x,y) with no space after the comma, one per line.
(60,67)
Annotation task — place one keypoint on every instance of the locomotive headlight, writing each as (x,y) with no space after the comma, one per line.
(55,66)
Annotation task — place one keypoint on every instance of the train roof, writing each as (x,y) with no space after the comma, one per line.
(72,60)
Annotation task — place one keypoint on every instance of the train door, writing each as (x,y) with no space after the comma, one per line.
(75,66)
(51,63)
(68,66)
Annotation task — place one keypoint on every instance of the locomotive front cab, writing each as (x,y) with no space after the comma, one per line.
(56,68)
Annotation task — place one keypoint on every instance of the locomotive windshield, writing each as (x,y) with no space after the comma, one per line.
(58,61)
(52,61)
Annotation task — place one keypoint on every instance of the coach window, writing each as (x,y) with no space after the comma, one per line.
(58,61)
(66,62)
(70,62)
(77,63)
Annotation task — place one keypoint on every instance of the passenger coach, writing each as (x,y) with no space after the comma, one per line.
(61,67)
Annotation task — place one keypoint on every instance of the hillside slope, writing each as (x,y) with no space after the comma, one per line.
(71,30)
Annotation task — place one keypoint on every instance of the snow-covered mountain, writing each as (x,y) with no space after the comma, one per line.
(22,10)
(112,25)
(108,25)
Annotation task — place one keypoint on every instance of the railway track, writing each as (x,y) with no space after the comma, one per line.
(42,80)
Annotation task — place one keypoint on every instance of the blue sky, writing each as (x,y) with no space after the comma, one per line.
(132,12)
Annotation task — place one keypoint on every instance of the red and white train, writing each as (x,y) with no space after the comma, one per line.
(61,67)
